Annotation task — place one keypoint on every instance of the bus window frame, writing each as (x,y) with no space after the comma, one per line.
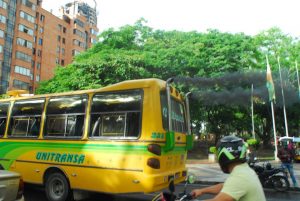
(173,99)
(86,105)
(10,126)
(9,104)
(101,137)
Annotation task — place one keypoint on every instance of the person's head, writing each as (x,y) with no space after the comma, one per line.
(231,150)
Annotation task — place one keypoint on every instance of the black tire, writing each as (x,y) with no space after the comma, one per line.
(57,188)
(280,183)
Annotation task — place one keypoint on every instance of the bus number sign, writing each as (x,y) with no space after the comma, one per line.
(157,135)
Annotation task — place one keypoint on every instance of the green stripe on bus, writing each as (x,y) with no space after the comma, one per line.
(14,149)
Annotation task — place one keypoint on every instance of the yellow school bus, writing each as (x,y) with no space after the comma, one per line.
(128,137)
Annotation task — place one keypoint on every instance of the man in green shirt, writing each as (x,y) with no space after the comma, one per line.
(242,183)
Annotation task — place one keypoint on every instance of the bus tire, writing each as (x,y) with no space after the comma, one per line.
(57,188)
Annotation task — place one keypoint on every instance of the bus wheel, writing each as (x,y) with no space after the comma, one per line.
(57,188)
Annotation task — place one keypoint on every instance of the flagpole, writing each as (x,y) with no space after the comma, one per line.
(283,101)
(252,109)
(252,113)
(270,86)
(297,77)
(274,132)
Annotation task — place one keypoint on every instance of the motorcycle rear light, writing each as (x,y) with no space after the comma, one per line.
(154,163)
(155,149)
(21,189)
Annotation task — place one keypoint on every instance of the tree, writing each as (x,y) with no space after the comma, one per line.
(215,63)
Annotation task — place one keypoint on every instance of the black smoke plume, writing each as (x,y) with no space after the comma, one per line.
(235,89)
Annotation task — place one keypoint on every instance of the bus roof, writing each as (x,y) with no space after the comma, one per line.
(129,84)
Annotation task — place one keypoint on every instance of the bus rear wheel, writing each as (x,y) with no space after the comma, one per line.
(57,188)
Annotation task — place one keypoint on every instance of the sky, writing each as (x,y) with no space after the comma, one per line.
(234,16)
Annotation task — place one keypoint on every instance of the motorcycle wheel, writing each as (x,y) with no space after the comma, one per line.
(280,183)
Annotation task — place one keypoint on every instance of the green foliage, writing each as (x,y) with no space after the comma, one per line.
(253,143)
(137,51)
(213,150)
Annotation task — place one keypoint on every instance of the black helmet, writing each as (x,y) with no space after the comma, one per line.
(231,149)
(268,166)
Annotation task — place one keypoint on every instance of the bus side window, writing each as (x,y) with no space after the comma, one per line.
(95,125)
(2,126)
(65,116)
(3,117)
(113,125)
(26,118)
(20,127)
(75,125)
(35,124)
(116,114)
(133,127)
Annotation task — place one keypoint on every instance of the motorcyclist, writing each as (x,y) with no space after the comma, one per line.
(242,183)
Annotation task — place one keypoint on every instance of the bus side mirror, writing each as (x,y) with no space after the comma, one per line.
(189,142)
(170,141)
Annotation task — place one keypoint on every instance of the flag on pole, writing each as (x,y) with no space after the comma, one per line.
(270,83)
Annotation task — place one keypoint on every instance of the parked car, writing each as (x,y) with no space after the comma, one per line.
(11,186)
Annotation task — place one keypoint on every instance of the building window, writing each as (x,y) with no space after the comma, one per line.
(59,27)
(57,60)
(63,51)
(1,49)
(64,30)
(42,18)
(25,29)
(93,31)
(23,56)
(39,53)
(79,43)
(20,84)
(94,40)
(2,19)
(27,17)
(3,4)
(23,71)
(38,66)
(40,41)
(58,38)
(41,30)
(79,23)
(75,52)
(33,51)
(24,43)
(62,62)
(79,33)
(63,40)
(1,33)
(29,4)
(58,49)
(37,78)
(32,64)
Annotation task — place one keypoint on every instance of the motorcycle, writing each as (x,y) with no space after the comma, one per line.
(171,196)
(271,177)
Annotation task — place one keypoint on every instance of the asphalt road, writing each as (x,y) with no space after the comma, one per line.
(33,193)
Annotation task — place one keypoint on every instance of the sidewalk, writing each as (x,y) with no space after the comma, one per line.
(207,172)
